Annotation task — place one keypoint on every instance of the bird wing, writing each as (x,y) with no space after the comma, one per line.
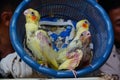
(46,48)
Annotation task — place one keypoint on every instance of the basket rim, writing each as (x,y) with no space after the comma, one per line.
(47,71)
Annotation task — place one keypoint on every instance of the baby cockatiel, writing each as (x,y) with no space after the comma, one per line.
(38,41)
(87,51)
(81,26)
(79,57)
(32,23)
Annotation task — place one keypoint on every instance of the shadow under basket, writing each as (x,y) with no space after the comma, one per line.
(75,10)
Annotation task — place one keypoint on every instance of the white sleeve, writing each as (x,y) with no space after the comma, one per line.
(112,65)
(12,64)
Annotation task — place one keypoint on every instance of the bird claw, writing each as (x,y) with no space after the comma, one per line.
(74,72)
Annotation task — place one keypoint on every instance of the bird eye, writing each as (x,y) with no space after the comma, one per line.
(88,33)
(82,34)
(86,22)
(32,13)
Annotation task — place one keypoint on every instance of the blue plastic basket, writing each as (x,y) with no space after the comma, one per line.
(100,28)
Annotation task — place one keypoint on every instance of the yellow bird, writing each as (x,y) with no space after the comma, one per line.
(38,41)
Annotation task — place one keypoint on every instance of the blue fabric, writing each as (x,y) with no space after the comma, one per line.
(61,37)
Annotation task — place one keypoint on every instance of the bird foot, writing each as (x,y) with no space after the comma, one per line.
(74,73)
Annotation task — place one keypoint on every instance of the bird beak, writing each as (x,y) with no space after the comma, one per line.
(26,12)
(88,34)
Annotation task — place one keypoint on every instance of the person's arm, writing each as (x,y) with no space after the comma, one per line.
(12,64)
